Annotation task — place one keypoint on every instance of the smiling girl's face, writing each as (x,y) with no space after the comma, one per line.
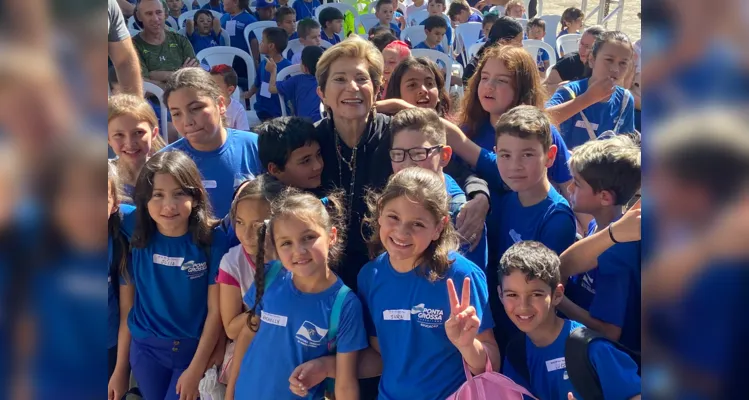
(418,87)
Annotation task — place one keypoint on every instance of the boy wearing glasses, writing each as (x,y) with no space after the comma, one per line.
(420,140)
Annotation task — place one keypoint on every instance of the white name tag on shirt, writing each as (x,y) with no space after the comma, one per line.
(168,261)
(396,315)
(265,90)
(581,124)
(231,28)
(210,184)
(273,319)
(555,364)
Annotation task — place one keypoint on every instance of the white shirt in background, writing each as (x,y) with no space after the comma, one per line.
(236,116)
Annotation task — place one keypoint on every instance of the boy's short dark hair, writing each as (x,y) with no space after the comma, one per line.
(310,56)
(536,21)
(278,37)
(610,164)
(534,260)
(329,14)
(305,26)
(424,120)
(525,122)
(284,12)
(456,7)
(490,18)
(381,3)
(434,21)
(227,72)
(382,39)
(201,12)
(279,137)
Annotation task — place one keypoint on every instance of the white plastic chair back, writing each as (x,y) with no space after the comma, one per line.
(294,46)
(172,23)
(132,25)
(133,32)
(191,14)
(416,35)
(473,50)
(568,43)
(552,27)
(257,28)
(149,87)
(533,46)
(417,17)
(225,55)
(281,76)
(440,58)
(342,7)
(466,35)
(368,21)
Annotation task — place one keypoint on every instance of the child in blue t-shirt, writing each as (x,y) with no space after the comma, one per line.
(176,249)
(225,157)
(176,8)
(289,151)
(572,21)
(434,28)
(265,11)
(274,43)
(331,25)
(292,308)
(310,34)
(437,8)
(204,31)
(236,18)
(530,287)
(414,319)
(305,9)
(300,91)
(604,292)
(536,30)
(587,108)
(384,10)
(286,19)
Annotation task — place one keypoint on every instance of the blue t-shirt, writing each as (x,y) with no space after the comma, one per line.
(171,277)
(559,171)
(407,313)
(392,26)
(542,57)
(241,21)
(219,8)
(617,372)
(334,39)
(424,45)
(269,105)
(225,168)
(200,42)
(479,255)
(305,9)
(602,116)
(301,90)
(293,330)
(448,33)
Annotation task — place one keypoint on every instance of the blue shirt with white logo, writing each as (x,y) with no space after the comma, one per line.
(225,168)
(549,380)
(301,90)
(407,314)
(602,117)
(293,330)
(305,9)
(268,105)
(241,21)
(171,277)
(200,42)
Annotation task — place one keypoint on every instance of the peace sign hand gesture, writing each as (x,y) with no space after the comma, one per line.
(463,324)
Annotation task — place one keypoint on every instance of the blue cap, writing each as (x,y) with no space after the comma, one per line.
(266,3)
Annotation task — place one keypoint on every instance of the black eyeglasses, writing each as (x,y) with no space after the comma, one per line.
(416,153)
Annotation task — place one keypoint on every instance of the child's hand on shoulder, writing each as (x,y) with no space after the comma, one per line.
(463,324)
(270,65)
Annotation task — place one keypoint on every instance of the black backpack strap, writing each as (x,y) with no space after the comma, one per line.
(580,370)
(516,355)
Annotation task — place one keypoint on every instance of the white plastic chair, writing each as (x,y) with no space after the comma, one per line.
(132,25)
(172,23)
(257,28)
(368,21)
(190,14)
(416,35)
(342,7)
(225,55)
(417,17)
(568,43)
(473,50)
(552,25)
(439,58)
(533,46)
(466,35)
(281,76)
(151,88)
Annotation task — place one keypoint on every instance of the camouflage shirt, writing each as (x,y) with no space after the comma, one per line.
(168,56)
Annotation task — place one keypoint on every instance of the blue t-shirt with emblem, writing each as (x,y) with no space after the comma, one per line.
(239,22)
(171,276)
(549,380)
(293,330)
(200,42)
(301,90)
(269,105)
(407,314)
(226,167)
(601,116)
(480,254)
(305,9)
(542,57)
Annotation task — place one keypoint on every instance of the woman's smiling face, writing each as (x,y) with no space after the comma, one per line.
(349,92)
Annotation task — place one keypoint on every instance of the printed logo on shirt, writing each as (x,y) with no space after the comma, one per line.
(195,270)
(162,58)
(555,364)
(273,319)
(396,315)
(588,283)
(210,184)
(168,261)
(581,124)
(428,317)
(310,335)
(516,238)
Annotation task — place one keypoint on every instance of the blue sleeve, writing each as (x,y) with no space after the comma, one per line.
(362,283)
(486,167)
(509,371)
(249,299)
(479,298)
(286,87)
(255,166)
(128,220)
(560,170)
(558,232)
(351,333)
(544,55)
(609,304)
(561,96)
(628,124)
(616,371)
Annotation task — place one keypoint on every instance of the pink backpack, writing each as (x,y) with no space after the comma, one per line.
(489,386)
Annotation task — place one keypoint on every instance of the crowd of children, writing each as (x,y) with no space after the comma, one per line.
(224,246)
